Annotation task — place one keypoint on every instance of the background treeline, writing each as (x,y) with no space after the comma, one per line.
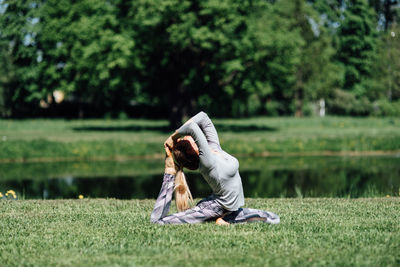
(168,58)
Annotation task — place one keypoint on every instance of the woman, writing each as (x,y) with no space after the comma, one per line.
(195,145)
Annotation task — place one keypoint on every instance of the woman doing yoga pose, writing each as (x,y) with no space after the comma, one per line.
(195,145)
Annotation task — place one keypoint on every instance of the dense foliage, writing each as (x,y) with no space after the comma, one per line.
(170,58)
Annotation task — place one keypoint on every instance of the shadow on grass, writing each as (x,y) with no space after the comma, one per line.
(165,129)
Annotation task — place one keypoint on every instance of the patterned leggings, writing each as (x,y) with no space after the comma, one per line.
(206,210)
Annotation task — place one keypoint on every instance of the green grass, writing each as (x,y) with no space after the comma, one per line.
(317,231)
(50,140)
(335,232)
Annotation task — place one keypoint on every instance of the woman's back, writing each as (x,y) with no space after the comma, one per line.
(219,169)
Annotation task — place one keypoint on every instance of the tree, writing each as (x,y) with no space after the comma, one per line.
(386,74)
(6,76)
(218,52)
(85,52)
(178,56)
(387,12)
(316,75)
(357,44)
(230,57)
(18,31)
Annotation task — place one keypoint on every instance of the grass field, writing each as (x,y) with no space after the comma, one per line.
(49,140)
(91,232)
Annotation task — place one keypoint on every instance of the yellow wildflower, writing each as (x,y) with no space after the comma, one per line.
(1,195)
(80,196)
(11,193)
(387,195)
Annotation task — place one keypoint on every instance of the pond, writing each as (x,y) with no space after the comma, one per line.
(316,176)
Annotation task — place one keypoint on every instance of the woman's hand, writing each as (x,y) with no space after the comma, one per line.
(171,141)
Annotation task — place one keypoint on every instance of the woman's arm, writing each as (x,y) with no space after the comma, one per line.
(161,207)
(163,203)
(208,128)
(192,129)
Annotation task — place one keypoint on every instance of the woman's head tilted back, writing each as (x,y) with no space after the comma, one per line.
(186,154)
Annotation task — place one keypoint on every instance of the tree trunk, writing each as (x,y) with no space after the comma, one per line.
(175,117)
(298,94)
(181,103)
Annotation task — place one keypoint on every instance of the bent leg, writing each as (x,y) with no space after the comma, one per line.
(251,215)
(204,211)
(163,201)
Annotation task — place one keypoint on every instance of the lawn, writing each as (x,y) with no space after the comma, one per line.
(91,232)
(53,140)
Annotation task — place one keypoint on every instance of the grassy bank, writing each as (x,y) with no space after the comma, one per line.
(49,140)
(113,232)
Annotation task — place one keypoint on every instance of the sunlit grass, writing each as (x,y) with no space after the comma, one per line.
(91,139)
(93,232)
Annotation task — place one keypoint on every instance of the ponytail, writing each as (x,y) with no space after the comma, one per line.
(183,197)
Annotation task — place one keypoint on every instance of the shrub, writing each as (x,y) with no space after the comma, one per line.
(345,103)
(383,107)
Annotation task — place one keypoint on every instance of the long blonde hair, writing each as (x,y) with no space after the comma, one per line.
(183,197)
(184,156)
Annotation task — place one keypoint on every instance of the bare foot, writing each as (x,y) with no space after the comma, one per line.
(220,221)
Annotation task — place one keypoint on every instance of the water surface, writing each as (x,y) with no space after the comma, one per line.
(262,177)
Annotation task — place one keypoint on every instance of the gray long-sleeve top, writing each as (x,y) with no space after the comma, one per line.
(219,169)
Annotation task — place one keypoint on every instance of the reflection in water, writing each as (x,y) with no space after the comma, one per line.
(262,177)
